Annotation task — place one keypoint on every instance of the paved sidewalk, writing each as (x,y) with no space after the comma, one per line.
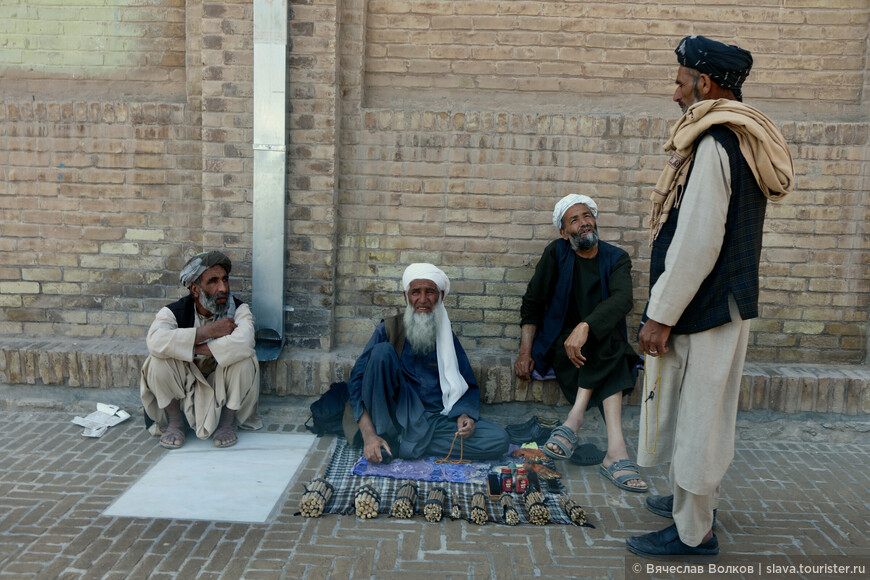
(798,486)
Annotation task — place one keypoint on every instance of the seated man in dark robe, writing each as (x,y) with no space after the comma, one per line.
(573,321)
(412,390)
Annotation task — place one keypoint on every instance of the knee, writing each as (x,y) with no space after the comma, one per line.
(244,372)
(501,440)
(383,362)
(160,371)
(383,352)
(494,436)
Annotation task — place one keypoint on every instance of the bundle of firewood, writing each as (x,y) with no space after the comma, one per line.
(511,517)
(315,498)
(478,508)
(539,513)
(455,507)
(573,509)
(433,509)
(367,501)
(405,503)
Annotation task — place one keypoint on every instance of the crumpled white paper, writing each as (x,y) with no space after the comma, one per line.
(96,424)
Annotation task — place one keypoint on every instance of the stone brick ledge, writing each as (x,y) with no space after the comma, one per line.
(108,362)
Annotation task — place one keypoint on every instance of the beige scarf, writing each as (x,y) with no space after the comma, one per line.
(761,144)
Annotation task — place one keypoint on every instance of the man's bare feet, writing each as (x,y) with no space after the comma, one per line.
(225,435)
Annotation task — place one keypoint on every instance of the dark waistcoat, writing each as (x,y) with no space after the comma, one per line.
(184,310)
(736,270)
(555,318)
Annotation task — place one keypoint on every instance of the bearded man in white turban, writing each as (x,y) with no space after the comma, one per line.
(573,322)
(201,371)
(412,390)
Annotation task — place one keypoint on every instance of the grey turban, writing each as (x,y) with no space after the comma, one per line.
(200,263)
(727,65)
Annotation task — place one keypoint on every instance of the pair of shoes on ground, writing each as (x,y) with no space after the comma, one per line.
(666,544)
(173,437)
(537,429)
(566,441)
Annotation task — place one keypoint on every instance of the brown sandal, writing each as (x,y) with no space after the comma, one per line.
(221,430)
(178,434)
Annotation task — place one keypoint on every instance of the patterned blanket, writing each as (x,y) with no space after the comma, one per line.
(462,480)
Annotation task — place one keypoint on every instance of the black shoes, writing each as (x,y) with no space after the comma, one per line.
(666,545)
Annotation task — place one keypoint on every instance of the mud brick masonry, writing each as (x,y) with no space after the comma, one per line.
(419,130)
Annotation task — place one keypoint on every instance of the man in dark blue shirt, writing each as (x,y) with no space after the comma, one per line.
(412,390)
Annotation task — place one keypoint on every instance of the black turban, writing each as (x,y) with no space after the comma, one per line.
(200,263)
(727,65)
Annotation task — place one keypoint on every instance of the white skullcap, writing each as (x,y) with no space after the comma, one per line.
(453,385)
(426,272)
(569,201)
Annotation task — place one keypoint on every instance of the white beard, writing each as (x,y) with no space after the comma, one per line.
(421,330)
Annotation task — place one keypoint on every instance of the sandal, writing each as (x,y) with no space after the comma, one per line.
(177,432)
(567,448)
(222,431)
(623,465)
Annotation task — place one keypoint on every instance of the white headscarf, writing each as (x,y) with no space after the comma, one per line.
(569,201)
(453,385)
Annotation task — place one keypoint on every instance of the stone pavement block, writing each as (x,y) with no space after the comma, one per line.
(758,516)
(363,565)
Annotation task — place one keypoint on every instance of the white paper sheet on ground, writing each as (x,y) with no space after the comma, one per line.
(104,417)
(242,483)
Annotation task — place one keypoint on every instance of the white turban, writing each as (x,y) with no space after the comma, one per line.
(453,385)
(569,201)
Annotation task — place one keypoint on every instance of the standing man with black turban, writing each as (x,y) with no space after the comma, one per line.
(202,370)
(727,160)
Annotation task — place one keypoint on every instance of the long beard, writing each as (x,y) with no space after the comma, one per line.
(585,241)
(421,330)
(209,302)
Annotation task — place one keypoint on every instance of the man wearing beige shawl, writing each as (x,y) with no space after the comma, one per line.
(202,370)
(727,160)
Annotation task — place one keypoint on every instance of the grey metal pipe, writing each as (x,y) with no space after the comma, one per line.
(270,170)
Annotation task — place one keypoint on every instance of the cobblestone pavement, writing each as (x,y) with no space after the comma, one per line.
(798,486)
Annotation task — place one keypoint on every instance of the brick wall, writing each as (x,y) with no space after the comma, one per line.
(95,47)
(475,193)
(450,147)
(804,50)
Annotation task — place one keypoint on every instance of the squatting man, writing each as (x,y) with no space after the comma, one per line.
(202,371)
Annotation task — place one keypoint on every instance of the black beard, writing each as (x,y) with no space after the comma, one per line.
(581,243)
(209,302)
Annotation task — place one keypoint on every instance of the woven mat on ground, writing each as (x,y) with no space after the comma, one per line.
(340,475)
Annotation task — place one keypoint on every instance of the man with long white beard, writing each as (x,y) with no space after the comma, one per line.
(573,321)
(412,390)
(202,371)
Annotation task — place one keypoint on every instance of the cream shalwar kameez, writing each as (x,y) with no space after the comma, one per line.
(691,420)
(204,385)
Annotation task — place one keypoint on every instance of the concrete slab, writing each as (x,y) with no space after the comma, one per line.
(201,482)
